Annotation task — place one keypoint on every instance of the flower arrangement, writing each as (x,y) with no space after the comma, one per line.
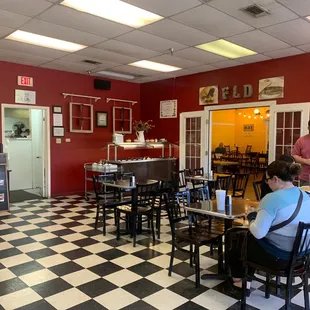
(142,126)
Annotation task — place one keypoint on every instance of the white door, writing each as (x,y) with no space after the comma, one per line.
(288,122)
(38,147)
(193,140)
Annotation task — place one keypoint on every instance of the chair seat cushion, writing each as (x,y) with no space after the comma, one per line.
(128,209)
(196,236)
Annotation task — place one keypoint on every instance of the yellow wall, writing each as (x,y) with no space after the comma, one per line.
(223,128)
(223,131)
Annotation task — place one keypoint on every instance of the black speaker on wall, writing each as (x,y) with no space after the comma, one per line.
(102,84)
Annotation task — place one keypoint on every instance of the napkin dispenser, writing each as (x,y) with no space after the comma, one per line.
(118,138)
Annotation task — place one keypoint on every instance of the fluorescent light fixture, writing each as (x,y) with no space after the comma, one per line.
(36,39)
(308,17)
(115,10)
(156,66)
(226,49)
(116,74)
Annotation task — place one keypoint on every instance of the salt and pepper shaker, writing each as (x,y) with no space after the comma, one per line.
(228,205)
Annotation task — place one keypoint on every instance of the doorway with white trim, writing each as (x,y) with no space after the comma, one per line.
(25,138)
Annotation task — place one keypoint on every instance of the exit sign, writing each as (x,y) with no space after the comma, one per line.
(25,81)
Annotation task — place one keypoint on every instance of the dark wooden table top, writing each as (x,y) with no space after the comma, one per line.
(239,208)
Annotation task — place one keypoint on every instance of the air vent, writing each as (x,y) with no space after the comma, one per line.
(256,10)
(92,62)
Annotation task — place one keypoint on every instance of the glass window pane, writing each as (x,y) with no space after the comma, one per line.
(198,163)
(279,138)
(297,119)
(296,135)
(279,151)
(280,117)
(288,136)
(198,123)
(188,123)
(187,163)
(288,119)
(193,123)
(188,150)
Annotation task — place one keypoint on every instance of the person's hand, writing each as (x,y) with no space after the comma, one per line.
(251,215)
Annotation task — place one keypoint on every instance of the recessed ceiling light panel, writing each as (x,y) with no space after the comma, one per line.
(151,65)
(226,49)
(36,39)
(116,75)
(115,10)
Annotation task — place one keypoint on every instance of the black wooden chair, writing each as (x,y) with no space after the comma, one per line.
(168,187)
(106,198)
(239,182)
(200,187)
(183,190)
(194,236)
(140,210)
(298,267)
(257,189)
(223,182)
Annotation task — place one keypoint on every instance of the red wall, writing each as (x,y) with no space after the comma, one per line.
(186,89)
(67,159)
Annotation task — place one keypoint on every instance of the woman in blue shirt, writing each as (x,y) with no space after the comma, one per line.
(272,249)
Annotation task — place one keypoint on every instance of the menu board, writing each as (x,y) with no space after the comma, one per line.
(168,109)
(4,194)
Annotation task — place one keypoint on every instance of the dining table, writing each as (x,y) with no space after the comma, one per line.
(240,207)
(220,164)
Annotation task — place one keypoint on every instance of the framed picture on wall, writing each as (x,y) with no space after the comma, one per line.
(57,109)
(102,119)
(58,131)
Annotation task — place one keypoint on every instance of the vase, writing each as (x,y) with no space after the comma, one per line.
(140,136)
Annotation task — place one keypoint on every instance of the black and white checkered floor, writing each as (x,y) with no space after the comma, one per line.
(52,258)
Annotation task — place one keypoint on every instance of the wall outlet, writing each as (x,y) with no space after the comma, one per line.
(58,141)
(68,140)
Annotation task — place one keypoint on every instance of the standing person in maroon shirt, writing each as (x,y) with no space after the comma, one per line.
(301,153)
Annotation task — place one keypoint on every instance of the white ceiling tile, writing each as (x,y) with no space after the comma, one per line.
(285,52)
(258,41)
(227,64)
(305,47)
(67,17)
(63,33)
(12,20)
(198,55)
(101,55)
(135,70)
(126,49)
(301,7)
(78,59)
(175,61)
(150,41)
(279,13)
(165,7)
(204,68)
(4,31)
(175,31)
(146,79)
(25,7)
(22,58)
(295,32)
(30,49)
(67,66)
(212,21)
(253,58)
